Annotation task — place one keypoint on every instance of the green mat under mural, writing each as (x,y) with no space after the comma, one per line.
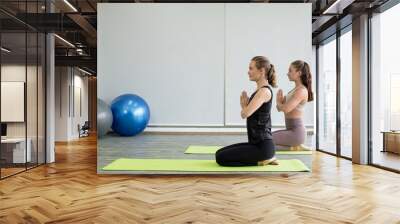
(192,165)
(201,149)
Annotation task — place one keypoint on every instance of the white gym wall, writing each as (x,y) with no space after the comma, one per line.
(71,102)
(282,32)
(190,61)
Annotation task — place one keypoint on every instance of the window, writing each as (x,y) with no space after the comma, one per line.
(327,96)
(346,94)
(385,89)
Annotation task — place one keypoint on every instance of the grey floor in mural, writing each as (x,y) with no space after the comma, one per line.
(171,146)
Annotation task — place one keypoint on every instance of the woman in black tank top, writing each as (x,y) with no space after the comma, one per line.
(260,148)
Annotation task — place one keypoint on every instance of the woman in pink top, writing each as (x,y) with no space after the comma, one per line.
(292,105)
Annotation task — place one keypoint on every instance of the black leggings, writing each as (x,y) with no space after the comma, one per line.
(245,154)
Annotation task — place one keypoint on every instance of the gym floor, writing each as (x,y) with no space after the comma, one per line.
(171,146)
(70,191)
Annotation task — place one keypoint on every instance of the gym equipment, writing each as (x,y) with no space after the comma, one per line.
(131,114)
(83,130)
(200,149)
(104,118)
(192,165)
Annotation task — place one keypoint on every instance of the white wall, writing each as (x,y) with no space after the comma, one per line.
(67,115)
(79,117)
(12,100)
(172,55)
(61,103)
(253,29)
(190,61)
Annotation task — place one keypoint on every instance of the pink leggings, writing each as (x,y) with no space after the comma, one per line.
(294,134)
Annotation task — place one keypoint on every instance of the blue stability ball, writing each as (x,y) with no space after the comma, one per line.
(131,114)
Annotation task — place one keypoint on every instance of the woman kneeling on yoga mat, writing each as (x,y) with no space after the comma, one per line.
(292,105)
(260,149)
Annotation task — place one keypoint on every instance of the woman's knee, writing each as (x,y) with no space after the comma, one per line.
(219,160)
(279,137)
(219,157)
(219,152)
(222,153)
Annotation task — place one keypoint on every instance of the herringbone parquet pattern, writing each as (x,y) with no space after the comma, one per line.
(70,191)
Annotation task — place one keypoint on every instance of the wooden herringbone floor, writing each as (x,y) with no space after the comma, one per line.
(70,191)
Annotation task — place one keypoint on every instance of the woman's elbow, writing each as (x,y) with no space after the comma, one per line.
(243,114)
(285,110)
(282,108)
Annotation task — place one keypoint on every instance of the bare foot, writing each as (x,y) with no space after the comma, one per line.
(272,161)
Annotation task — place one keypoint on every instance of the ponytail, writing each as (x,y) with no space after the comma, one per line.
(271,77)
(270,74)
(305,77)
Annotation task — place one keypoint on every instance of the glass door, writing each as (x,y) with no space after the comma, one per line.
(327,96)
(346,93)
(385,89)
(22,77)
(14,154)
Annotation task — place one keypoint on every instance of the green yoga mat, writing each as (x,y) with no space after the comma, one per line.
(200,149)
(131,164)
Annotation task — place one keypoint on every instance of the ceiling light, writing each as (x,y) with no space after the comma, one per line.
(70,5)
(331,7)
(5,50)
(84,71)
(64,40)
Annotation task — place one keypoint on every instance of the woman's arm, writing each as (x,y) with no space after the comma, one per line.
(292,103)
(263,95)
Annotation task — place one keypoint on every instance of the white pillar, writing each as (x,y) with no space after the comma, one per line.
(360,90)
(50,83)
(50,91)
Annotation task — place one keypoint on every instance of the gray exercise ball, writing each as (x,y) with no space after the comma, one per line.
(104,118)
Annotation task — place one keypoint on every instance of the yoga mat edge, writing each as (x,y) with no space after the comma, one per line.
(199,149)
(191,165)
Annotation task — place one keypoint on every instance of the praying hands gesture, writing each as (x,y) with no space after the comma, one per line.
(244,99)
(279,97)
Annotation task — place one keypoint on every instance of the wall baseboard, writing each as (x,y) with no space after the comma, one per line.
(207,130)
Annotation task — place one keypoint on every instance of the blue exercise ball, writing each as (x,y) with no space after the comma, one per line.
(131,114)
